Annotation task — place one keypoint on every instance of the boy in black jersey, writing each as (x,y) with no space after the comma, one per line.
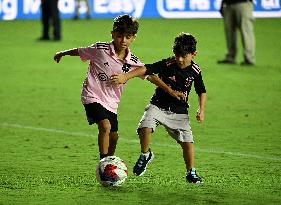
(178,72)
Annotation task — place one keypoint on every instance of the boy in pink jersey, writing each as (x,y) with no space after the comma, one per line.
(99,97)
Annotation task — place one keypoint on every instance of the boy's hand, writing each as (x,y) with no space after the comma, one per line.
(200,116)
(58,56)
(118,79)
(177,94)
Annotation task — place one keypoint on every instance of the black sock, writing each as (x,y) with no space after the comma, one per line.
(103,155)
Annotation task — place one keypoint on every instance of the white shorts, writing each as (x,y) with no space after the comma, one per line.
(177,125)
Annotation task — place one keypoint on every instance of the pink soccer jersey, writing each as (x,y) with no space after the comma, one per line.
(103,64)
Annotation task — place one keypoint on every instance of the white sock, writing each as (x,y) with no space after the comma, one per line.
(192,170)
(146,154)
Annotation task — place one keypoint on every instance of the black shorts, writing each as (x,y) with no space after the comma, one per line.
(96,112)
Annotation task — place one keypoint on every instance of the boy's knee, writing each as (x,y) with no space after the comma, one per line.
(144,131)
(104,126)
(185,144)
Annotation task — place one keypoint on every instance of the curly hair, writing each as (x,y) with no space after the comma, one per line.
(125,24)
(184,44)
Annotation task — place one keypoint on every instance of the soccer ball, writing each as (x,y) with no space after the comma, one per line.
(111,171)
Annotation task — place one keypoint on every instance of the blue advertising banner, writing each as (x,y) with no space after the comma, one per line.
(30,9)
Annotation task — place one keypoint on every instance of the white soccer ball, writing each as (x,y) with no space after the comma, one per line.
(111,171)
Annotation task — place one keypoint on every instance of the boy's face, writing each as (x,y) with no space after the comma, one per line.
(184,61)
(122,41)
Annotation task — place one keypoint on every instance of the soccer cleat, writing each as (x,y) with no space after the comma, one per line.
(141,165)
(192,177)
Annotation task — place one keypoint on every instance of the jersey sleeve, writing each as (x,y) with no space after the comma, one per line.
(155,68)
(199,84)
(136,63)
(87,53)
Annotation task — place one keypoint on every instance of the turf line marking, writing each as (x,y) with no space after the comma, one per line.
(81,134)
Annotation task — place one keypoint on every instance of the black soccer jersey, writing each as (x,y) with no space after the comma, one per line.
(179,80)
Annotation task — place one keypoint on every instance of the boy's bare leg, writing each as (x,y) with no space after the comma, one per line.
(188,154)
(113,138)
(146,155)
(145,136)
(104,127)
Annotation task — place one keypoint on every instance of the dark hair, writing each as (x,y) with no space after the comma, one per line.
(184,43)
(125,24)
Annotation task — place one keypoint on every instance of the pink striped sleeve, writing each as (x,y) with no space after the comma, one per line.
(87,53)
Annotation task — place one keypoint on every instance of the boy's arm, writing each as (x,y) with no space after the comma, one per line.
(158,82)
(200,112)
(70,52)
(122,78)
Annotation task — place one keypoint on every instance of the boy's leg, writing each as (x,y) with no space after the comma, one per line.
(146,155)
(113,138)
(108,127)
(144,136)
(147,125)
(104,127)
(188,154)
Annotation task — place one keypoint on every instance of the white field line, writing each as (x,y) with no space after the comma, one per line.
(81,134)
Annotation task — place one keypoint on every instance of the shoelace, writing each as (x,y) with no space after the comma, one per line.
(193,174)
(141,160)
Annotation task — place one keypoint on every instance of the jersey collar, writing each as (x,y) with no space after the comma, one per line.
(113,54)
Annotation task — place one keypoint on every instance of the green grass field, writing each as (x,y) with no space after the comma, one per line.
(48,153)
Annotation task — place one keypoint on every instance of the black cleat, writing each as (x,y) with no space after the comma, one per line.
(141,165)
(192,177)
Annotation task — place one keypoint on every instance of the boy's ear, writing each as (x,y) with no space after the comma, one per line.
(195,53)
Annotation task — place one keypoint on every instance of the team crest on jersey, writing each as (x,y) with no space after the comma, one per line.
(188,81)
(126,68)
